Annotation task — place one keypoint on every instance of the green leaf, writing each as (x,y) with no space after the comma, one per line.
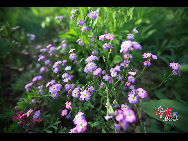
(90,105)
(151,107)
(96,123)
(117,59)
(159,93)
(177,95)
(103,131)
(184,67)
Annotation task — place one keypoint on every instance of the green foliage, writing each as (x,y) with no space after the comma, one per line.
(162,31)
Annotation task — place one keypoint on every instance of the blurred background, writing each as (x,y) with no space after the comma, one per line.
(24,30)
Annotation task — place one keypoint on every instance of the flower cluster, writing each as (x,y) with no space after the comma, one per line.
(108,36)
(91,66)
(80,122)
(31,36)
(80,42)
(148,55)
(32,116)
(74,13)
(175,67)
(54,89)
(123,114)
(93,15)
(59,17)
(124,117)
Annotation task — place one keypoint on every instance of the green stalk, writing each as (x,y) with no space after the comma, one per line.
(140,73)
(162,82)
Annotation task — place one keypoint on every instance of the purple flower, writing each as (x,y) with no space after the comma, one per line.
(75,93)
(106,77)
(135,31)
(53,89)
(59,17)
(36,114)
(68,116)
(68,68)
(133,99)
(64,45)
(130,36)
(73,11)
(124,106)
(78,117)
(112,70)
(39,77)
(147,55)
(119,77)
(68,87)
(129,115)
(109,36)
(108,117)
(92,39)
(92,89)
(119,117)
(41,57)
(101,37)
(48,46)
(42,69)
(55,96)
(52,49)
(56,70)
(65,75)
(154,57)
(117,68)
(175,66)
(43,50)
(114,74)
(72,56)
(93,14)
(94,52)
(125,46)
(102,85)
(131,87)
(81,125)
(105,46)
(142,93)
(91,66)
(47,62)
(84,28)
(58,87)
(131,79)
(136,45)
(91,58)
(85,95)
(35,79)
(99,70)
(104,72)
(147,63)
(81,22)
(122,124)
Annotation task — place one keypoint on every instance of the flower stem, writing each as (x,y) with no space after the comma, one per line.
(162,82)
(140,73)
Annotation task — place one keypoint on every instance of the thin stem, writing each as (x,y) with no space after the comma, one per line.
(161,82)
(139,113)
(140,73)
